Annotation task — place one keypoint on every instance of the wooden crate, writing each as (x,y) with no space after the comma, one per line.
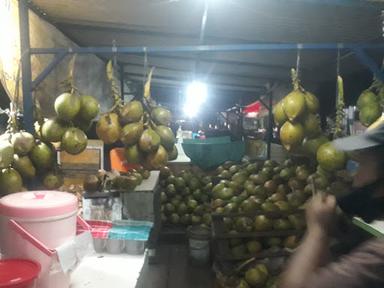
(222,237)
(218,230)
(91,159)
(223,252)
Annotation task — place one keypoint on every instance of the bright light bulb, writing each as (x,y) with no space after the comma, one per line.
(196,94)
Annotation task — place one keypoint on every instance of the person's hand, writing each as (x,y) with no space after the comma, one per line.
(321,212)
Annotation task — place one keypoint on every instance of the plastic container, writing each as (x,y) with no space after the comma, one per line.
(134,247)
(18,273)
(99,244)
(115,246)
(33,225)
(211,152)
(199,244)
(119,162)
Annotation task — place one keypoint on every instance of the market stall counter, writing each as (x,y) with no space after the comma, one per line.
(104,269)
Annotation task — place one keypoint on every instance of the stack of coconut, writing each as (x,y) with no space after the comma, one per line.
(74,115)
(22,159)
(143,128)
(296,115)
(300,131)
(147,138)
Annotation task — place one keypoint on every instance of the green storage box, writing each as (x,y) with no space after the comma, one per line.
(211,152)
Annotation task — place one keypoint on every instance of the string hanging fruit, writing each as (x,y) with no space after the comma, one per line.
(108,127)
(294,104)
(296,116)
(329,158)
(340,115)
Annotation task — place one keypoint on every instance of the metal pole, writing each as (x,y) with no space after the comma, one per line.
(208,48)
(270,125)
(26,66)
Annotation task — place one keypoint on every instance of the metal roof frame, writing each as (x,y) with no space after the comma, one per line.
(359,49)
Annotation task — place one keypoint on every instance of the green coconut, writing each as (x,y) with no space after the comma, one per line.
(369,113)
(22,142)
(89,108)
(67,106)
(329,158)
(173,154)
(42,156)
(24,166)
(156,160)
(294,104)
(108,128)
(311,102)
(10,181)
(279,114)
(53,130)
(149,141)
(74,141)
(291,135)
(167,137)
(6,154)
(312,145)
(131,112)
(133,154)
(311,124)
(257,275)
(130,134)
(161,116)
(367,97)
(52,181)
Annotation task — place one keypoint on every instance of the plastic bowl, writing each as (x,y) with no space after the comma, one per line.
(18,273)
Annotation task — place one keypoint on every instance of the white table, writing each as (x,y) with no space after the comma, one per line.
(181,157)
(107,270)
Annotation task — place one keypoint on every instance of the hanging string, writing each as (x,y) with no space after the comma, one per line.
(114,50)
(298,60)
(337,72)
(145,68)
(338,62)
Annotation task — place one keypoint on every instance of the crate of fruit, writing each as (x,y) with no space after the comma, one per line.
(250,273)
(258,224)
(237,249)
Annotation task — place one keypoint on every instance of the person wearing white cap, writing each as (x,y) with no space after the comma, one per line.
(310,266)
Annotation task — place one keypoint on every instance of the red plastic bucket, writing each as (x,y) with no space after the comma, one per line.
(18,273)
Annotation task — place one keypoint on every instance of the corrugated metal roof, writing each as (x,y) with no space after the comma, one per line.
(171,22)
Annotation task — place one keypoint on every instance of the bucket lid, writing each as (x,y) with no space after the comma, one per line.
(18,272)
(38,204)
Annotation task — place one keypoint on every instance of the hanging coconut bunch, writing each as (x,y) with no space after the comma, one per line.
(142,126)
(23,158)
(296,115)
(330,174)
(370,103)
(74,115)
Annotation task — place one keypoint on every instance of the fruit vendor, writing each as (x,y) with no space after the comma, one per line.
(364,266)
